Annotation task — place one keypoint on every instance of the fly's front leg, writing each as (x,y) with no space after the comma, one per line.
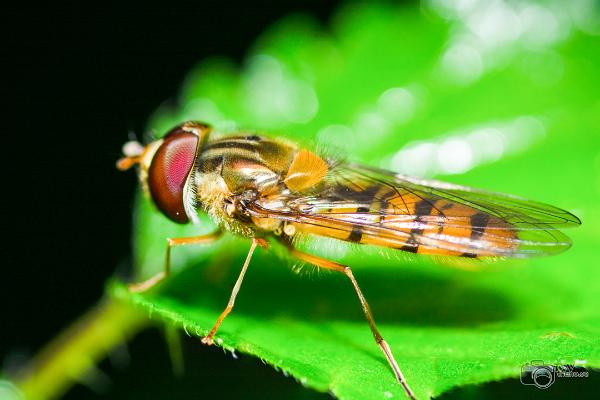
(209,339)
(173,242)
(385,348)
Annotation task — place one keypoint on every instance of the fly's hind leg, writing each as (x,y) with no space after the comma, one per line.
(173,242)
(209,339)
(385,348)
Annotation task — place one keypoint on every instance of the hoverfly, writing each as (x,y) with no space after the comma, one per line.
(270,189)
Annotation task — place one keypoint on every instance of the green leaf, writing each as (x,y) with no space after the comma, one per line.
(494,95)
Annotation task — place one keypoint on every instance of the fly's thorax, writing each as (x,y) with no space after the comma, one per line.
(230,169)
(234,171)
(262,164)
(247,162)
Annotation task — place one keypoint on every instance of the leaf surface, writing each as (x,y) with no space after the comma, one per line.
(426,92)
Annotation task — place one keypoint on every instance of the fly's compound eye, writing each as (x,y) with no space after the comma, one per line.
(169,170)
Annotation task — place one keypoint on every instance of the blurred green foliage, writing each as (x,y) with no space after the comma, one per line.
(497,95)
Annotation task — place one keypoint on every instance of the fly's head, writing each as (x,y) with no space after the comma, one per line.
(165,166)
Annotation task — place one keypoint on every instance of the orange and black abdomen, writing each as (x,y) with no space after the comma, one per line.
(385,216)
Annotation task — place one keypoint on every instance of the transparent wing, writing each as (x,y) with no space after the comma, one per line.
(513,209)
(372,206)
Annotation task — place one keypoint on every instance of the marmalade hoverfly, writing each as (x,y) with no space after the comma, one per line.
(270,189)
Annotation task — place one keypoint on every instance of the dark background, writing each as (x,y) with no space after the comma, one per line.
(79,79)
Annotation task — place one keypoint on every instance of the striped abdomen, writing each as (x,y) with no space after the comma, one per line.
(382,215)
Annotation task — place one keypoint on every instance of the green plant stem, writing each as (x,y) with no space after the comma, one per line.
(74,353)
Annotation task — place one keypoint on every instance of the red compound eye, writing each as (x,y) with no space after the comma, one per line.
(169,170)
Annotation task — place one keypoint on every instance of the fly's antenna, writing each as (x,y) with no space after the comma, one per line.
(150,136)
(132,151)
(132,136)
